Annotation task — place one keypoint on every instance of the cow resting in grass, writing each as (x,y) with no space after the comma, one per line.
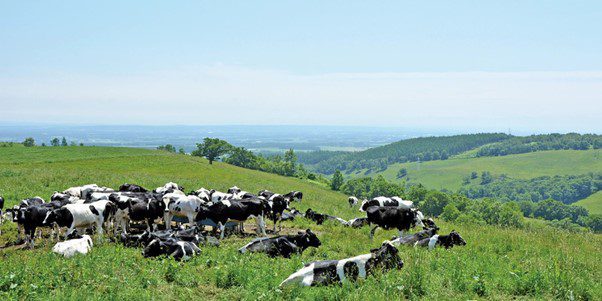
(71,247)
(328,272)
(446,241)
(284,246)
(178,249)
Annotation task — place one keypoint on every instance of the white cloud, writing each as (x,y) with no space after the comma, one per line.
(220,94)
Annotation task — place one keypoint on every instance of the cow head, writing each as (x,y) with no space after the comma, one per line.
(418,217)
(364,206)
(234,190)
(310,239)
(156,207)
(55,216)
(456,239)
(309,213)
(155,248)
(387,256)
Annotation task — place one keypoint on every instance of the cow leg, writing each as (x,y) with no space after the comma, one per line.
(222,229)
(18,232)
(99,229)
(372,232)
(261,225)
(167,218)
(400,233)
(190,220)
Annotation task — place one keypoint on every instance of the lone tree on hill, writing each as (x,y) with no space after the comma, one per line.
(29,142)
(337,180)
(55,142)
(212,148)
(64,142)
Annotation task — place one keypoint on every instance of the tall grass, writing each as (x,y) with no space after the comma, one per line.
(535,263)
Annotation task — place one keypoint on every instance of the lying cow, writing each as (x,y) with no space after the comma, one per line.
(412,239)
(447,241)
(283,246)
(71,247)
(394,217)
(172,247)
(236,211)
(382,201)
(319,218)
(357,222)
(289,216)
(132,188)
(337,271)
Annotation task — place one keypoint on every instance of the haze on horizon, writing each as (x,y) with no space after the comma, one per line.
(473,66)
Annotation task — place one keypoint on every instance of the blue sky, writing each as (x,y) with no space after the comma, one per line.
(531,65)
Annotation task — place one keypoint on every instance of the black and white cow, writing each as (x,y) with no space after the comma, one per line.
(178,249)
(394,217)
(81,216)
(382,201)
(296,196)
(352,201)
(169,187)
(411,239)
(62,199)
(1,213)
(181,206)
(446,241)
(284,246)
(329,272)
(132,188)
(17,213)
(277,204)
(235,211)
(289,216)
(320,218)
(145,210)
(357,222)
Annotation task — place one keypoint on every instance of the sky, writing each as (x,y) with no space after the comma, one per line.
(530,66)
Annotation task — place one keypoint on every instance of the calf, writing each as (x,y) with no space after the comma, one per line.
(172,247)
(283,245)
(320,218)
(447,241)
(71,247)
(236,211)
(328,272)
(394,217)
(132,188)
(382,201)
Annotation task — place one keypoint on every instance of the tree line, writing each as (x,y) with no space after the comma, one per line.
(534,143)
(30,142)
(566,189)
(410,150)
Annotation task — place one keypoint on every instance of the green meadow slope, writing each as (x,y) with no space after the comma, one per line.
(449,173)
(537,262)
(593,203)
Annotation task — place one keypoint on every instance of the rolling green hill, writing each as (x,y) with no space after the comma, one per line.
(538,262)
(449,173)
(593,203)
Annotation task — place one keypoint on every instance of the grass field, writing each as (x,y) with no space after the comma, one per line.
(498,263)
(448,174)
(593,203)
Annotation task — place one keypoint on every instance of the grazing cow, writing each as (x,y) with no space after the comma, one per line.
(149,211)
(182,206)
(71,247)
(294,196)
(132,188)
(81,216)
(236,211)
(170,187)
(382,201)
(352,201)
(394,217)
(172,247)
(357,222)
(283,245)
(412,239)
(447,241)
(320,218)
(328,272)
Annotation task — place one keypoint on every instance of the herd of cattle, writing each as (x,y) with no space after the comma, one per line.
(137,217)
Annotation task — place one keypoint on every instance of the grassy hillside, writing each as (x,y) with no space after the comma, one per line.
(593,203)
(449,173)
(534,263)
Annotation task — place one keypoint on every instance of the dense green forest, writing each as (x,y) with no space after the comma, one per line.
(533,143)
(410,150)
(567,189)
